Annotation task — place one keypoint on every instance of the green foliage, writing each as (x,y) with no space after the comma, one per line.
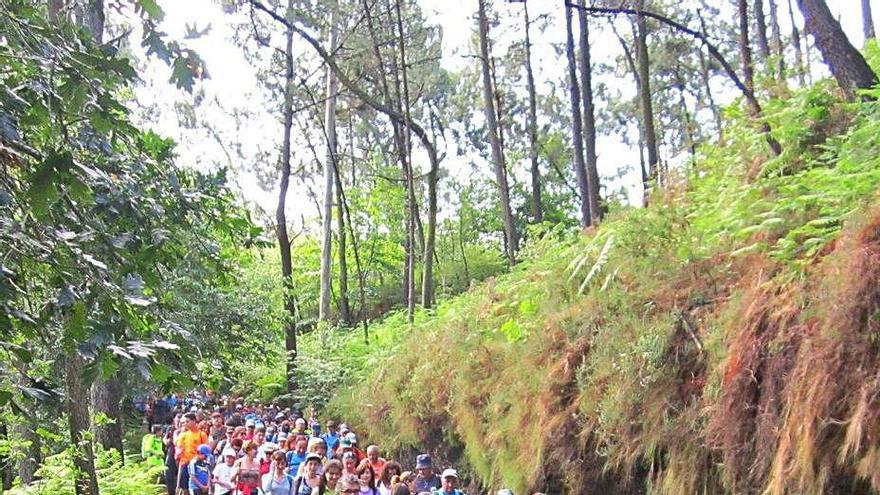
(114,478)
(609,328)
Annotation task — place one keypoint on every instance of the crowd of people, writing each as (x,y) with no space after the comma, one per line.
(228,447)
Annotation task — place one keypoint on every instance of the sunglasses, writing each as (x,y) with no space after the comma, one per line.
(352,490)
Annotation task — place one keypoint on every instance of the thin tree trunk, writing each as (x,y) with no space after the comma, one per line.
(646,105)
(580,168)
(106,398)
(537,206)
(343,207)
(7,471)
(403,98)
(281,215)
(845,62)
(54,8)
(635,72)
(776,37)
(704,74)
(329,163)
(745,49)
(428,254)
(464,260)
(689,125)
(91,17)
(344,306)
(761,32)
(796,43)
(589,120)
(510,235)
(76,403)
(31,455)
(867,21)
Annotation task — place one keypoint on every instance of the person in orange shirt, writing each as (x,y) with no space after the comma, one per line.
(377,462)
(187,448)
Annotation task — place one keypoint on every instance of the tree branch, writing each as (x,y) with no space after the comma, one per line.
(713,50)
(330,60)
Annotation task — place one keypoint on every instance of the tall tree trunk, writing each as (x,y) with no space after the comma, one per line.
(796,44)
(7,470)
(646,106)
(329,163)
(627,53)
(761,32)
(589,120)
(30,456)
(344,306)
(90,15)
(281,214)
(776,38)
(704,74)
(54,8)
(430,240)
(362,297)
(106,398)
(845,62)
(537,207)
(745,49)
(510,235)
(577,141)
(76,394)
(409,176)
(867,20)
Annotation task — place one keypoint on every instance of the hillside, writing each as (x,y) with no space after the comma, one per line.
(721,340)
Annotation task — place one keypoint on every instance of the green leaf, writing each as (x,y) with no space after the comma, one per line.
(152,9)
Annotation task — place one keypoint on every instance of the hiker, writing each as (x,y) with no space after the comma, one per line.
(349,463)
(449,482)
(390,470)
(277,481)
(217,430)
(426,480)
(348,485)
(332,474)
(297,456)
(170,461)
(222,476)
(187,445)
(367,479)
(373,458)
(152,450)
(246,472)
(331,438)
(224,443)
(200,471)
(309,481)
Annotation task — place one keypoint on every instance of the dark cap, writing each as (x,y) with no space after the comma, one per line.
(423,461)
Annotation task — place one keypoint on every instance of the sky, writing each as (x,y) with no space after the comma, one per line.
(233,84)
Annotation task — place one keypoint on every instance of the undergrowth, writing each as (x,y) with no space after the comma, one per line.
(55,476)
(722,340)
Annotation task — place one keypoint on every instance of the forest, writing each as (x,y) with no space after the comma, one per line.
(566,246)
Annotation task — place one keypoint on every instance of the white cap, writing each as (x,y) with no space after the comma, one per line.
(229,452)
(449,473)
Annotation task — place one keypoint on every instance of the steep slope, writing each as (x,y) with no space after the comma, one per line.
(723,340)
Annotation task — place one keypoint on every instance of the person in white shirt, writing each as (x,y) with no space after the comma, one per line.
(222,479)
